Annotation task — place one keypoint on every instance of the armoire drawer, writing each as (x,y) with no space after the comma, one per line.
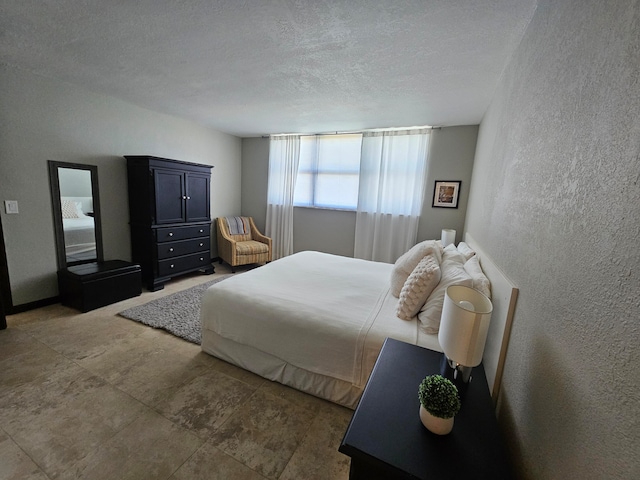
(179,264)
(170,234)
(182,247)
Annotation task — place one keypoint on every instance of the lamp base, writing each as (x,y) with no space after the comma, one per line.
(459,375)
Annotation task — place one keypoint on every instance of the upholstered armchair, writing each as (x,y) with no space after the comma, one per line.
(240,242)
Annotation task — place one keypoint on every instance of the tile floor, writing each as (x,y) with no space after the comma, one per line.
(98,396)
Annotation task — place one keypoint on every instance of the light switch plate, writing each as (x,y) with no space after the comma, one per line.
(11,206)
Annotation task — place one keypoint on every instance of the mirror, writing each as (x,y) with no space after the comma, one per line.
(76,213)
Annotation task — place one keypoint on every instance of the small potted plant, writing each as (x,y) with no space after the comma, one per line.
(439,403)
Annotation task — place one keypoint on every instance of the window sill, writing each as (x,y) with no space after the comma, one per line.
(310,207)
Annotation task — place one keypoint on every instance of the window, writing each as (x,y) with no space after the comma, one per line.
(328,172)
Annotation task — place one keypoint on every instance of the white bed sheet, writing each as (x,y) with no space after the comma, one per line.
(81,223)
(320,314)
(79,234)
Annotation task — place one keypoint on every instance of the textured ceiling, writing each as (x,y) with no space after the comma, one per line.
(270,66)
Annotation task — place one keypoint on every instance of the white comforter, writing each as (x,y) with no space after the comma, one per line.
(322,313)
(79,234)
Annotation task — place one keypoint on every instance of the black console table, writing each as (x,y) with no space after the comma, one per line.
(386,439)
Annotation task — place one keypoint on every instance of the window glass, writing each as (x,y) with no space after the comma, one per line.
(328,171)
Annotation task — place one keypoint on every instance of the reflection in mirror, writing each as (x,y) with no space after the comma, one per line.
(77,215)
(74,190)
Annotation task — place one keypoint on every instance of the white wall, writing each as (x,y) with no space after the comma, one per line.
(555,200)
(255,171)
(43,119)
(451,153)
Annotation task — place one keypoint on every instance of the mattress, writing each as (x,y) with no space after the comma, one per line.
(311,320)
(79,234)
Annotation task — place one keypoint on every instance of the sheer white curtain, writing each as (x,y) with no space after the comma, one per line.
(392,183)
(284,157)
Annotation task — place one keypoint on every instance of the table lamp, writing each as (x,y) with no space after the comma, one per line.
(447,236)
(464,325)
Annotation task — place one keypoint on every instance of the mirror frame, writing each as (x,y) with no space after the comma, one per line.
(56,204)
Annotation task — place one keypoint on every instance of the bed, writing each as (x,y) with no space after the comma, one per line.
(78,226)
(317,322)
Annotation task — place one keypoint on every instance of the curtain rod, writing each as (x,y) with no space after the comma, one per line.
(353,132)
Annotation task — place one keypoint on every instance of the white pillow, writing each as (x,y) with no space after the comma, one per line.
(466,250)
(69,209)
(418,287)
(79,211)
(409,260)
(480,280)
(451,248)
(452,273)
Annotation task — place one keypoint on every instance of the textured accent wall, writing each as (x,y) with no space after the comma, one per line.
(555,199)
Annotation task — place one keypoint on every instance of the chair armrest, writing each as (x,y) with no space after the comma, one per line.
(256,235)
(223,230)
(259,237)
(226,244)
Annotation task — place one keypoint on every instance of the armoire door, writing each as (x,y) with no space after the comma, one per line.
(170,196)
(198,197)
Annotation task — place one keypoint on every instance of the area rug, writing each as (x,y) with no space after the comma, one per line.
(178,313)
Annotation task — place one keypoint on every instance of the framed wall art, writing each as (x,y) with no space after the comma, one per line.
(446,193)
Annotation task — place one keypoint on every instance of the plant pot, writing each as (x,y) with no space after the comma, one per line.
(437,425)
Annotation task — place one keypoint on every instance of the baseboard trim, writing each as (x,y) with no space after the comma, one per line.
(25,307)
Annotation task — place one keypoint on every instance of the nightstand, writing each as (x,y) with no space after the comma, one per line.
(386,439)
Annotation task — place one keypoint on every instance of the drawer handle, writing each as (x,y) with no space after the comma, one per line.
(202,244)
(171,249)
(171,234)
(171,266)
(201,230)
(201,259)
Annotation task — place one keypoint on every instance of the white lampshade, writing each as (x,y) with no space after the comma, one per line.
(464,325)
(447,236)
